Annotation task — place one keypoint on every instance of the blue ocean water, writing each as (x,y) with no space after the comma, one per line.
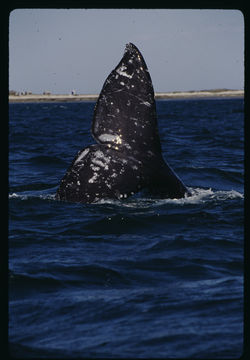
(141,278)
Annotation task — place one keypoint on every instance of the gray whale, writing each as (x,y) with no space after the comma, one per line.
(127,156)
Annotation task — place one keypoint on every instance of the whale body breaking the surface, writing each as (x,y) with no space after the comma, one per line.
(127,157)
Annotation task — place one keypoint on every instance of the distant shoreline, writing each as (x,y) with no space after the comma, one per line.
(224,93)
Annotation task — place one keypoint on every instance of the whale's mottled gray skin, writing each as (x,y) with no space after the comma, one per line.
(127,157)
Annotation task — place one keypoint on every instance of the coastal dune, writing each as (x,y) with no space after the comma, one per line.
(159,95)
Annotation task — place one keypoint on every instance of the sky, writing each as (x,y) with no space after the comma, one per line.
(61,50)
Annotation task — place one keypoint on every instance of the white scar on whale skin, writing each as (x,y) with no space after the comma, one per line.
(110,138)
(145,103)
(93,179)
(84,153)
(100,160)
(115,139)
(121,71)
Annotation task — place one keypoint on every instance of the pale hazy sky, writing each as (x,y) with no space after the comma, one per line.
(60,50)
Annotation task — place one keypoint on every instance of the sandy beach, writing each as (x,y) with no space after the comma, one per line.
(159,95)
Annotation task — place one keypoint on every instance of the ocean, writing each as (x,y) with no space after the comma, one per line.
(138,278)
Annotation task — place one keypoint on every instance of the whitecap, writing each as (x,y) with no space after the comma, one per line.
(198,196)
(13,196)
(227,195)
(27,196)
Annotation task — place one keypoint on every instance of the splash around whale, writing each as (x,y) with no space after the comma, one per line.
(127,156)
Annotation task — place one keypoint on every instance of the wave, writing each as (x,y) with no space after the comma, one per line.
(27,196)
(62,275)
(198,196)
